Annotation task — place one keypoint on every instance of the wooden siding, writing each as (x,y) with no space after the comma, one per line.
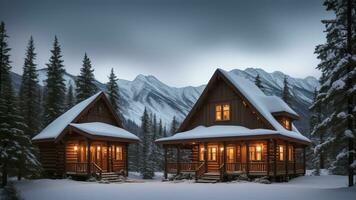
(240,113)
(99,112)
(52,158)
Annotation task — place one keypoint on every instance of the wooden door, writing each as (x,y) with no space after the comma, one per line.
(213,158)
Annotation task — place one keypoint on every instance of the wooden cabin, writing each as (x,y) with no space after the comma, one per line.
(87,140)
(234,128)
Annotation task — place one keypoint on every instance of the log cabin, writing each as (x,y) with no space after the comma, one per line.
(87,140)
(234,128)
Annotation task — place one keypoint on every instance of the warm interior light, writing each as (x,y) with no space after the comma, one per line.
(258,148)
(75,148)
(98,148)
(221,148)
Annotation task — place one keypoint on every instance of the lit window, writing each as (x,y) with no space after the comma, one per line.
(98,153)
(281,153)
(255,153)
(218,112)
(230,154)
(290,153)
(222,112)
(118,155)
(226,112)
(201,154)
(286,123)
(212,153)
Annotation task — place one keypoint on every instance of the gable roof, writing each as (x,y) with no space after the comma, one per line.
(56,127)
(264,105)
(105,130)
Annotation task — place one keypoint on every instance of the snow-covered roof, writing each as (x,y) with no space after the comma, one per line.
(55,128)
(265,105)
(103,129)
(221,131)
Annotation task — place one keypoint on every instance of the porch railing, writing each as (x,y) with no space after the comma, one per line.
(82,168)
(200,170)
(183,166)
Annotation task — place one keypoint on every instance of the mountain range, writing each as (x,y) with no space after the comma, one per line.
(166,101)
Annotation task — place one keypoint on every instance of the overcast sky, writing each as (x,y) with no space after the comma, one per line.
(179,42)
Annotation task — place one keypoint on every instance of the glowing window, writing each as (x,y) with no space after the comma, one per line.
(201,154)
(230,154)
(118,154)
(255,153)
(286,123)
(212,153)
(281,153)
(222,112)
(290,153)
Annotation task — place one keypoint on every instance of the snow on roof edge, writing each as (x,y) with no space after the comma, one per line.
(53,130)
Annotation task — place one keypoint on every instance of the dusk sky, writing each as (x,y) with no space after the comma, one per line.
(179,42)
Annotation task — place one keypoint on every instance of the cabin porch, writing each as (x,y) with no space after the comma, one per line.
(267,157)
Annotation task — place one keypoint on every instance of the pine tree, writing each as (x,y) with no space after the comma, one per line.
(85,82)
(147,165)
(113,90)
(337,89)
(55,85)
(174,126)
(160,128)
(29,92)
(258,82)
(70,98)
(317,136)
(16,151)
(286,94)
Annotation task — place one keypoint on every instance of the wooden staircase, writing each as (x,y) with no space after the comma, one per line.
(209,177)
(111,177)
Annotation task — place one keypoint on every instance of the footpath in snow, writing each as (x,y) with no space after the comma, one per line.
(308,187)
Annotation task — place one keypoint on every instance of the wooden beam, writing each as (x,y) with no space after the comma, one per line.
(294,161)
(287,159)
(304,160)
(224,157)
(275,146)
(127,159)
(88,157)
(107,157)
(178,159)
(165,162)
(247,158)
(267,159)
(206,156)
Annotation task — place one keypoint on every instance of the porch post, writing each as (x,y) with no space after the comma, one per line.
(224,157)
(178,159)
(88,157)
(287,158)
(294,160)
(267,159)
(304,167)
(275,146)
(107,157)
(127,159)
(247,157)
(206,156)
(165,162)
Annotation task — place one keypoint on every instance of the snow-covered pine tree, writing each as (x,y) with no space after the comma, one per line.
(70,97)
(174,126)
(317,157)
(160,129)
(55,88)
(337,90)
(258,82)
(29,92)
(85,82)
(113,90)
(146,167)
(286,94)
(16,150)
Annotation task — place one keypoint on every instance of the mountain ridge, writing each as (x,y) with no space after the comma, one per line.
(167,101)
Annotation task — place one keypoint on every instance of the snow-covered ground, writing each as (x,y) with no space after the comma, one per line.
(307,187)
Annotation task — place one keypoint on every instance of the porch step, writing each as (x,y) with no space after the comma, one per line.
(110,177)
(209,178)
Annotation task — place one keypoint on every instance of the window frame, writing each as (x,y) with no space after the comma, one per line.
(221,116)
(118,153)
(212,156)
(281,153)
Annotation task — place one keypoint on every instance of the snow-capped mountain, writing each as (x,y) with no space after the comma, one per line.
(167,101)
